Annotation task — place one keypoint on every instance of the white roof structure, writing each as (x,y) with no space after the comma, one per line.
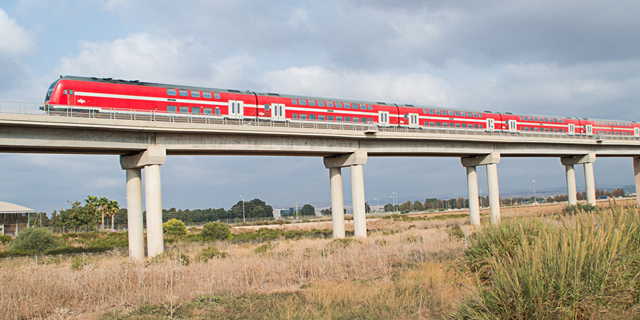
(6,207)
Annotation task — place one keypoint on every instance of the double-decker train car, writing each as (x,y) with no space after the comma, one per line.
(115,95)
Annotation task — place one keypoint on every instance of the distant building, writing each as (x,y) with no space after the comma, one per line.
(13,218)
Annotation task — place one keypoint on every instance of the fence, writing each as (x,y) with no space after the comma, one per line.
(372,127)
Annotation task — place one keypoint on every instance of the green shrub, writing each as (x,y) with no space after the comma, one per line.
(209,253)
(263,248)
(167,256)
(78,263)
(580,207)
(215,231)
(456,232)
(36,239)
(587,268)
(174,227)
(5,239)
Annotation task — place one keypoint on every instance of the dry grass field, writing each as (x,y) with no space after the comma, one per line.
(408,268)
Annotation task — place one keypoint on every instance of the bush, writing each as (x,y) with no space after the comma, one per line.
(5,239)
(167,256)
(209,253)
(78,263)
(585,269)
(575,209)
(174,227)
(36,239)
(215,231)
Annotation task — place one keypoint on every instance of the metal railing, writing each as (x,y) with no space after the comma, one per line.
(372,127)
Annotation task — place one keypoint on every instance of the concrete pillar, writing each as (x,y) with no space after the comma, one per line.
(354,160)
(571,185)
(134,213)
(494,192)
(337,202)
(474,205)
(151,160)
(636,172)
(153,197)
(357,196)
(590,184)
(587,160)
(490,160)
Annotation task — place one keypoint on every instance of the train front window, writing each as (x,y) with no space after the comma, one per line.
(50,91)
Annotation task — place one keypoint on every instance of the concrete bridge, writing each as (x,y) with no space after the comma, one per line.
(143,140)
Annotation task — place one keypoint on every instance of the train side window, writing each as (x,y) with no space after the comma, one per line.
(206,94)
(184,93)
(464,125)
(266,107)
(356,120)
(312,103)
(406,116)
(330,118)
(65,92)
(320,103)
(347,119)
(171,109)
(464,114)
(294,101)
(195,110)
(184,110)
(338,104)
(312,117)
(217,111)
(347,106)
(295,116)
(450,113)
(321,118)
(216,95)
(330,104)
(437,112)
(370,107)
(457,113)
(431,111)
(171,92)
(303,102)
(207,111)
(430,124)
(195,94)
(71,92)
(355,106)
(457,125)
(475,126)
(303,117)
(438,124)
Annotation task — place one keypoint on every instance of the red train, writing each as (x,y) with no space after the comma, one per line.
(108,95)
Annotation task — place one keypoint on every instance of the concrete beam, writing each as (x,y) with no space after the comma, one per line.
(572,197)
(153,197)
(474,204)
(337,202)
(579,159)
(636,173)
(494,192)
(154,155)
(590,183)
(135,227)
(358,157)
(357,195)
(481,160)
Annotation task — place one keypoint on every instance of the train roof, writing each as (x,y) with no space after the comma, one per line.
(269,94)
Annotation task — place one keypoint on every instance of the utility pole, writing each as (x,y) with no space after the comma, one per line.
(296,215)
(534,192)
(243,219)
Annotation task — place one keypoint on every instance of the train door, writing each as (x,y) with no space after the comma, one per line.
(413,120)
(491,124)
(512,125)
(636,132)
(71,97)
(589,129)
(277,112)
(236,109)
(383,117)
(572,128)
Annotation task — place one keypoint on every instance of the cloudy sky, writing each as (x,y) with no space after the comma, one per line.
(559,58)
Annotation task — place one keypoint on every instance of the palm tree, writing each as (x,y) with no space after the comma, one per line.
(112,208)
(102,204)
(92,202)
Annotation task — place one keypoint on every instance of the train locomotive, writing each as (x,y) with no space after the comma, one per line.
(91,94)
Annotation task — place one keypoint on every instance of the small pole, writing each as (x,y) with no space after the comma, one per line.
(36,260)
(373,247)
(324,256)
(276,244)
(420,238)
(229,257)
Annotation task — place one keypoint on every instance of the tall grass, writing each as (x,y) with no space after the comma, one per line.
(112,282)
(582,267)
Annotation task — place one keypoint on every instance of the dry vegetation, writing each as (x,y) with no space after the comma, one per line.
(406,269)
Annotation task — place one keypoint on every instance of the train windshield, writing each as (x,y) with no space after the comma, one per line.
(53,86)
